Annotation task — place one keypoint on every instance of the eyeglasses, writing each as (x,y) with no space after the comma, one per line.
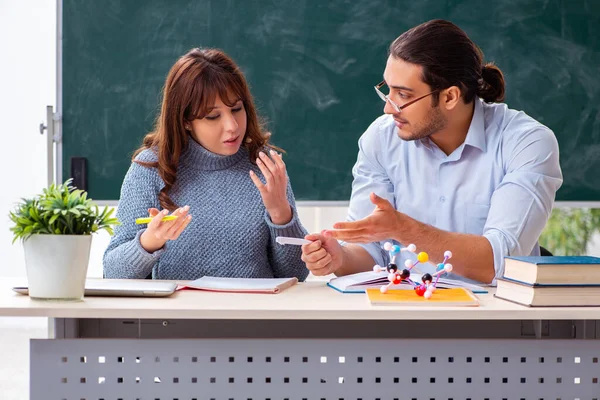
(398,108)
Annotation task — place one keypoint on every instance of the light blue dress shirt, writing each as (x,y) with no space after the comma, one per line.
(500,183)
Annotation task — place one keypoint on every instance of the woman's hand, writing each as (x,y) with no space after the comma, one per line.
(159,232)
(273,192)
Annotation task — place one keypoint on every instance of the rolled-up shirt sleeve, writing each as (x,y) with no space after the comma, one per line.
(370,176)
(522,203)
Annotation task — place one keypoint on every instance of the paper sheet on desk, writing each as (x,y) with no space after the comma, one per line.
(357,283)
(240,285)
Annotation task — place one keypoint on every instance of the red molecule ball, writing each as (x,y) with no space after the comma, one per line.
(397,279)
(420,290)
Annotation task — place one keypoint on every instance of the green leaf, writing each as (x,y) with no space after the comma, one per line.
(24,221)
(34,213)
(53,218)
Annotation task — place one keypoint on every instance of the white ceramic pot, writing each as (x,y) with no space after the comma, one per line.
(57,265)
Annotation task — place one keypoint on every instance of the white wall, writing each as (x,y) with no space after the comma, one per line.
(593,248)
(27,79)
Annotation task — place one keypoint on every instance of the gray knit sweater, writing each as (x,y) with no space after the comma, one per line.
(230,235)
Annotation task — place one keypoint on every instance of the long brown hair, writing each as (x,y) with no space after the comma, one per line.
(450,58)
(190,89)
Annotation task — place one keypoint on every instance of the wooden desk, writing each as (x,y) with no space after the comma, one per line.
(307,342)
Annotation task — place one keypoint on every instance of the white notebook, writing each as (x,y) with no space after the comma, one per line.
(241,285)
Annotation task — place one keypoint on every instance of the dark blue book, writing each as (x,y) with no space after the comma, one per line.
(554,270)
(558,260)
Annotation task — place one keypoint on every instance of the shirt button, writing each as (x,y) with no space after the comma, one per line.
(442,199)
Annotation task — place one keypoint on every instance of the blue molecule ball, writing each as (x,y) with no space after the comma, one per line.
(395,250)
(440,266)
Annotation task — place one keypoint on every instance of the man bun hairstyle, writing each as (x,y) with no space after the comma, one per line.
(450,58)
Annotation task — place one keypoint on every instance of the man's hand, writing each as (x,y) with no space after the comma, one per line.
(323,256)
(382,224)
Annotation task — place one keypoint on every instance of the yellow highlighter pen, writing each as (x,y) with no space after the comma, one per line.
(147,220)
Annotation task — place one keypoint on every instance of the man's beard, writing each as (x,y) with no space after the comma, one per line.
(434,123)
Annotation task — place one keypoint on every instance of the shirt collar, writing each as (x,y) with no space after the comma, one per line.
(476,133)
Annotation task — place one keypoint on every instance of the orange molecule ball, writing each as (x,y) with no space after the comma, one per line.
(423,257)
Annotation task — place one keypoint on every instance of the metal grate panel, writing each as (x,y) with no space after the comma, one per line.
(296,369)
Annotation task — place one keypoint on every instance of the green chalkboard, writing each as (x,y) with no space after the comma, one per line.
(312,66)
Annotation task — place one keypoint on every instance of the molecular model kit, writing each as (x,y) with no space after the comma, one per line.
(429,281)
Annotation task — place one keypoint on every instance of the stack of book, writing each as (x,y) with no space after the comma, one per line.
(551,281)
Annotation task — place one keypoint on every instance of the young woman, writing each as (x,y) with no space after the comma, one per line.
(209,157)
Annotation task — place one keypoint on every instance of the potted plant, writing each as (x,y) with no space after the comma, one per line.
(55,228)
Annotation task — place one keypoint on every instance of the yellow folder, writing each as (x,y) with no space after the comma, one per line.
(441,297)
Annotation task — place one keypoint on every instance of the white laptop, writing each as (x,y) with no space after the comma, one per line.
(122,288)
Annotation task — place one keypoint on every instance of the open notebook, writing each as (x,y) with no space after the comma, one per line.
(240,285)
(357,283)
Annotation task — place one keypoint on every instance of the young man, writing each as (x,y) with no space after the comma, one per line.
(448,167)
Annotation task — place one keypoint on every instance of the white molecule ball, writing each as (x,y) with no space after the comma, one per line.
(387,246)
(383,289)
(412,247)
(427,294)
(448,267)
(448,254)
(376,268)
(409,263)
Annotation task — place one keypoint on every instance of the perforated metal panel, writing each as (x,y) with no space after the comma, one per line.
(257,369)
